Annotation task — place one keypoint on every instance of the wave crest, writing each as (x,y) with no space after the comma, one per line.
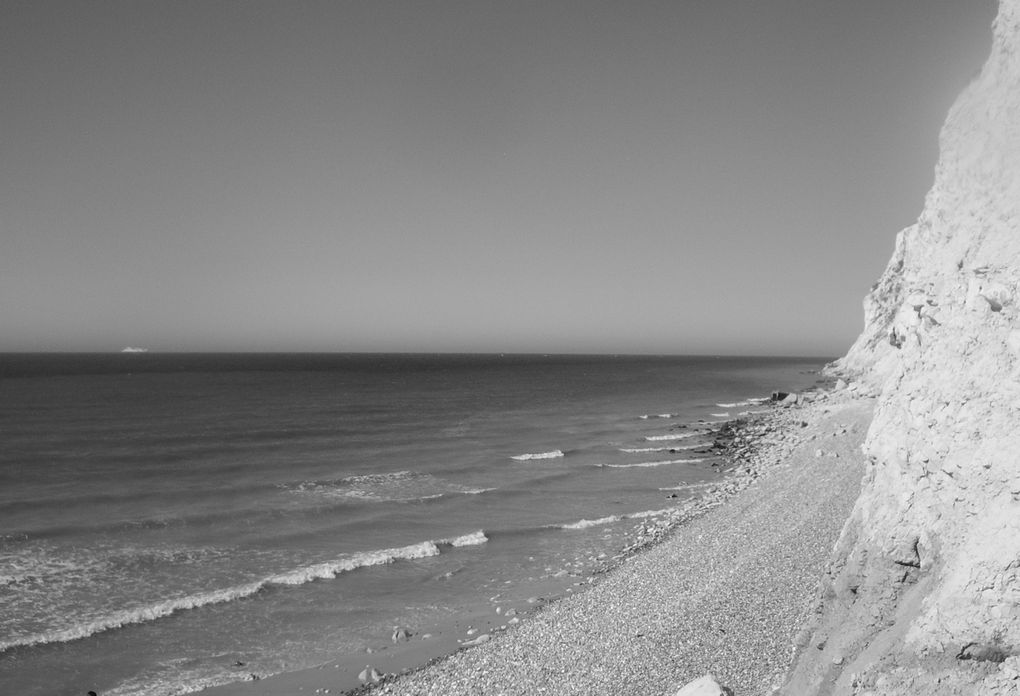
(472,539)
(671,436)
(319,571)
(587,524)
(645,465)
(673,448)
(555,454)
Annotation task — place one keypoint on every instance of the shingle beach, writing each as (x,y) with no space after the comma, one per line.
(723,586)
(725,592)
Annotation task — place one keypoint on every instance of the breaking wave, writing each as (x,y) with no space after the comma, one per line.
(674,448)
(671,436)
(587,524)
(299,576)
(555,454)
(645,465)
(745,402)
(472,539)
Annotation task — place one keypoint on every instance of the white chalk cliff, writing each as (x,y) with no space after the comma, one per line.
(923,595)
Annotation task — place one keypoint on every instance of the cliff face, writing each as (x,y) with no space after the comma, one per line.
(924,592)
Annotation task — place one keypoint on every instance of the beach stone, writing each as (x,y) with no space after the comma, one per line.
(369,674)
(484,638)
(704,686)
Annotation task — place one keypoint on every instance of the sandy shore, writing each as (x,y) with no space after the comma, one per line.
(726,591)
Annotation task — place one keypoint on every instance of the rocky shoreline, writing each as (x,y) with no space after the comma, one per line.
(723,585)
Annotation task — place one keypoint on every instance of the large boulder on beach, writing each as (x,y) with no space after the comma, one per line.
(704,686)
(929,564)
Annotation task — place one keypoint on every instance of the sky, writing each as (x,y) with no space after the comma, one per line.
(675,177)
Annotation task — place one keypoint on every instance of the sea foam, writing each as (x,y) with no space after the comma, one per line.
(319,571)
(587,524)
(671,436)
(673,448)
(645,465)
(391,487)
(555,454)
(473,539)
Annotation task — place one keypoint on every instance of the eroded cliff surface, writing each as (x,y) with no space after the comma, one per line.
(924,591)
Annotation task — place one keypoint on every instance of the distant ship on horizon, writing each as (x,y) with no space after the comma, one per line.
(132,349)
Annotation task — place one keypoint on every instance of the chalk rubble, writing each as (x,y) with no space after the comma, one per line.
(704,686)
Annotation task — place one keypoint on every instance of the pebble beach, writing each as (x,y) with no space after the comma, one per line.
(722,586)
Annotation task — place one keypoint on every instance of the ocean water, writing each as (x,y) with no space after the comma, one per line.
(164,516)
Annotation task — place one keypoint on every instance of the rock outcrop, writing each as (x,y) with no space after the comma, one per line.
(924,590)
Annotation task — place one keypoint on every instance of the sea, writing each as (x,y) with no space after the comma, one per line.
(168,518)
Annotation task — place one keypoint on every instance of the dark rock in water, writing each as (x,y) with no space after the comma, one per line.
(400,634)
(779,396)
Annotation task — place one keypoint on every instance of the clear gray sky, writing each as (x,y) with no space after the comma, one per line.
(679,176)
